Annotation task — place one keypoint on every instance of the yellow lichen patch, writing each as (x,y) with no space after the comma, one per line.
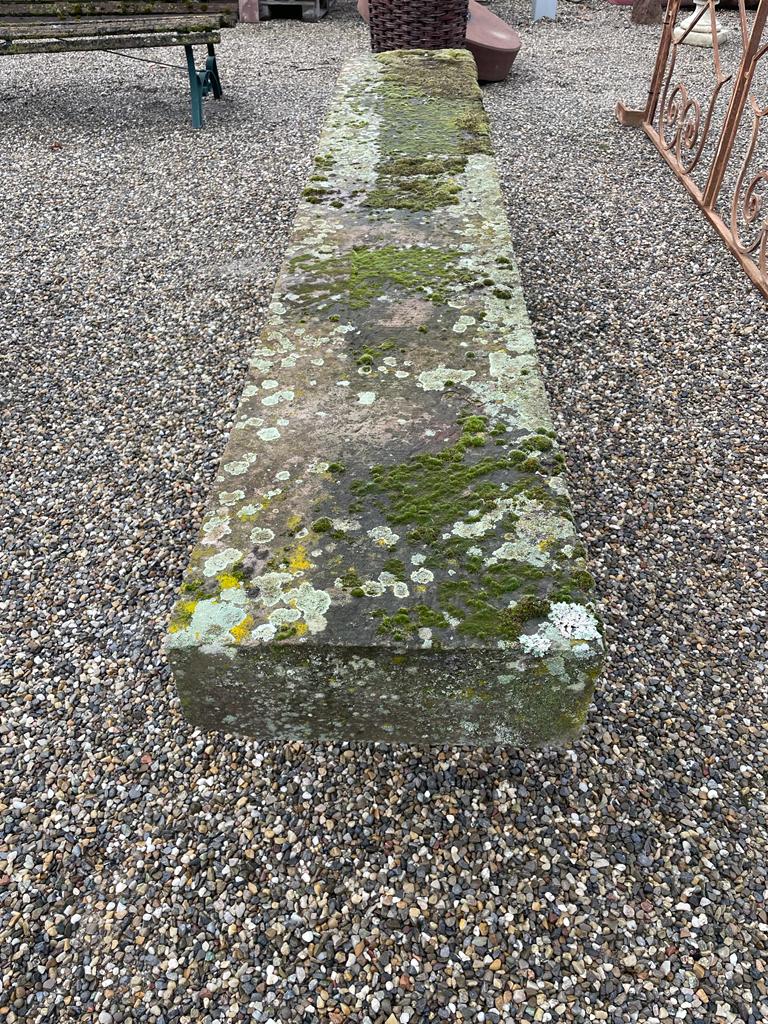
(298,560)
(293,524)
(242,629)
(479,692)
(182,616)
(263,502)
(227,582)
(301,629)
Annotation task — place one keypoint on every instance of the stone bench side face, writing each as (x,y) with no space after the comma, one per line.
(389,551)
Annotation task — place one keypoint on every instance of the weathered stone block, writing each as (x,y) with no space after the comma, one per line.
(389,552)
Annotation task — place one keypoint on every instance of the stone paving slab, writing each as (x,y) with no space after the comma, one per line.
(389,552)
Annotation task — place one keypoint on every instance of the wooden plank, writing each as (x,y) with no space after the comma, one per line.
(12,9)
(74,29)
(122,42)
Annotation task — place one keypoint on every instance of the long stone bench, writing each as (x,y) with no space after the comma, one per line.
(389,552)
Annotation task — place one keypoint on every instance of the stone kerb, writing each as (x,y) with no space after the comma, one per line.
(389,552)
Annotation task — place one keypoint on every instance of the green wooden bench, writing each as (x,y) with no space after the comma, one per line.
(63,26)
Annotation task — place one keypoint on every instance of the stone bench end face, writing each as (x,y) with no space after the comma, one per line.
(389,552)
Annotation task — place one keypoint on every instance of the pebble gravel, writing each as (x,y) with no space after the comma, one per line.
(150,873)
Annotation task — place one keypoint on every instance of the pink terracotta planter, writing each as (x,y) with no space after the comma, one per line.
(249,11)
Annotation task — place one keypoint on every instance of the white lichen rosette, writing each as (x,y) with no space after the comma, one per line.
(568,627)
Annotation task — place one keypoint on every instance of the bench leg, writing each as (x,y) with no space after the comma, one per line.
(202,82)
(212,69)
(196,89)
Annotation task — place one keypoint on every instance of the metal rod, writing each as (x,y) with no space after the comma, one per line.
(634,118)
(145,60)
(673,6)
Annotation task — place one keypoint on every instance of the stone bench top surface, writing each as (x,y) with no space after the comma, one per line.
(392,482)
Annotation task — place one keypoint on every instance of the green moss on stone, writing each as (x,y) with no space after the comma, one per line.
(429,113)
(351,580)
(237,571)
(403,167)
(415,194)
(406,622)
(364,273)
(482,617)
(395,566)
(286,631)
(538,443)
(432,492)
(193,586)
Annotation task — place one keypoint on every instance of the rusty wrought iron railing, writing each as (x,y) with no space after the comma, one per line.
(704,114)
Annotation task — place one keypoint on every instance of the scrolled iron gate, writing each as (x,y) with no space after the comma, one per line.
(709,130)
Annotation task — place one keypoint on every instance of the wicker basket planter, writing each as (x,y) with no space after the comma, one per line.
(418,24)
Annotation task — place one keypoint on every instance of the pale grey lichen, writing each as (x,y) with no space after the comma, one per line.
(463,322)
(264,633)
(574,621)
(213,520)
(383,536)
(437,378)
(221,560)
(262,535)
(422,576)
(346,525)
(230,497)
(484,523)
(425,635)
(282,616)
(285,395)
(536,645)
(212,620)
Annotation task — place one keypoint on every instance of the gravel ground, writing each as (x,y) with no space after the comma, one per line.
(151,873)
